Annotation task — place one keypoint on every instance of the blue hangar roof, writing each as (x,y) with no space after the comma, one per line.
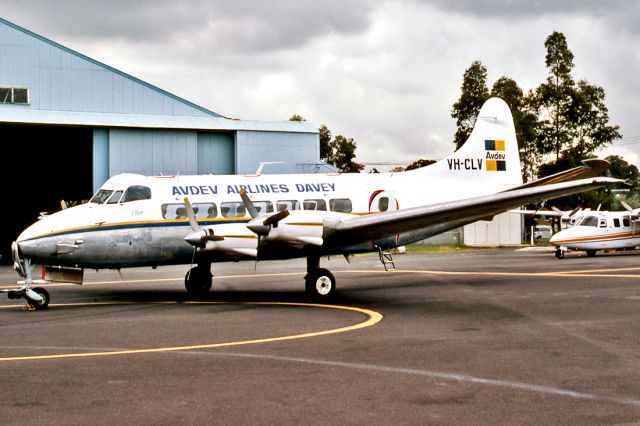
(69,88)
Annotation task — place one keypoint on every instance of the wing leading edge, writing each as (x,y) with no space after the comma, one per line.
(436,218)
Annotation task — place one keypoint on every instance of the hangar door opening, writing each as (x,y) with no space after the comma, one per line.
(41,165)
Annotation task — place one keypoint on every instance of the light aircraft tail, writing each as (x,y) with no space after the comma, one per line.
(489,155)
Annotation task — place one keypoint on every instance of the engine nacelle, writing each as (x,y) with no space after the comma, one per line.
(302,227)
(232,238)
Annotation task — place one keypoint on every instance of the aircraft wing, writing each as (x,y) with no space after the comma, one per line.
(548,213)
(444,216)
(591,168)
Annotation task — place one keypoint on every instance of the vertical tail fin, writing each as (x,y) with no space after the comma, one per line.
(490,154)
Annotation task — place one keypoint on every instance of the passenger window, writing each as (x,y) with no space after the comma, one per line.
(115,197)
(342,205)
(626,221)
(137,192)
(263,207)
(181,212)
(282,205)
(383,204)
(316,204)
(208,210)
(232,209)
(616,222)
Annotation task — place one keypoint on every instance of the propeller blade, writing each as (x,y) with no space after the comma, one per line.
(275,218)
(626,206)
(557,210)
(191,215)
(574,211)
(248,204)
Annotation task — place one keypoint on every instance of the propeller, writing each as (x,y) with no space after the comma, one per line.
(634,212)
(261,225)
(199,236)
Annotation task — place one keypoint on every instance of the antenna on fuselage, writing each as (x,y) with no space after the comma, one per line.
(264,163)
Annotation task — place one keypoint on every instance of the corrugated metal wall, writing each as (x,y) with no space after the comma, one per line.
(153,152)
(216,153)
(294,149)
(62,80)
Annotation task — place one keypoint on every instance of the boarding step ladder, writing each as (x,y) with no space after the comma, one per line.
(387,259)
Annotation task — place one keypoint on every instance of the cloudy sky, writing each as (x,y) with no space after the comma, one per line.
(385,73)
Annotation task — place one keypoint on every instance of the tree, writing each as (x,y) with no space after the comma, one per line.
(554,97)
(590,120)
(621,169)
(524,120)
(296,117)
(339,152)
(326,152)
(473,94)
(344,152)
(419,163)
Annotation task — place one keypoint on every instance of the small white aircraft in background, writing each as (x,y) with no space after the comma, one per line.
(600,230)
(138,220)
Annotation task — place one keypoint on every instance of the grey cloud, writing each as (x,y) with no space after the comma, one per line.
(242,25)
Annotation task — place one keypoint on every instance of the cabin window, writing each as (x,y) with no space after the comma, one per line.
(626,221)
(383,204)
(232,209)
(282,205)
(315,204)
(137,192)
(342,205)
(616,222)
(603,223)
(263,207)
(115,197)
(179,211)
(589,221)
(101,196)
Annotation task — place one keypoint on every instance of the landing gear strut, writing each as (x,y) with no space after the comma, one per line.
(37,297)
(198,280)
(319,282)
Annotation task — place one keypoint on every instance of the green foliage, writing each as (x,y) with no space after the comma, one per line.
(419,163)
(560,118)
(344,153)
(326,151)
(524,120)
(473,94)
(339,152)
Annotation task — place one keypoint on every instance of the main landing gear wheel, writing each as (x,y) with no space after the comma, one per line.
(591,253)
(320,284)
(39,304)
(559,254)
(198,281)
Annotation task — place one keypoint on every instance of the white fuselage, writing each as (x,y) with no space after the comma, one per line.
(112,232)
(600,231)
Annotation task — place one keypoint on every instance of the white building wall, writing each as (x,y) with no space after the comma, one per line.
(505,229)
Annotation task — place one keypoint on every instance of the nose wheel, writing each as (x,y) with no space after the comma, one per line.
(37,297)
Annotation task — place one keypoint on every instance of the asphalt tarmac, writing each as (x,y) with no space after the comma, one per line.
(475,337)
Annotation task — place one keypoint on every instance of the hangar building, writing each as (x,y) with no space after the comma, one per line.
(68,122)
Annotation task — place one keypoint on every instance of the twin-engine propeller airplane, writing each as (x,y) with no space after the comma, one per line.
(138,220)
(600,230)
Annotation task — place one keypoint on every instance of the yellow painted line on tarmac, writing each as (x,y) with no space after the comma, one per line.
(599,273)
(373,318)
(589,273)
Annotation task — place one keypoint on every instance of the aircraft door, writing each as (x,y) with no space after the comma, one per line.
(382,201)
